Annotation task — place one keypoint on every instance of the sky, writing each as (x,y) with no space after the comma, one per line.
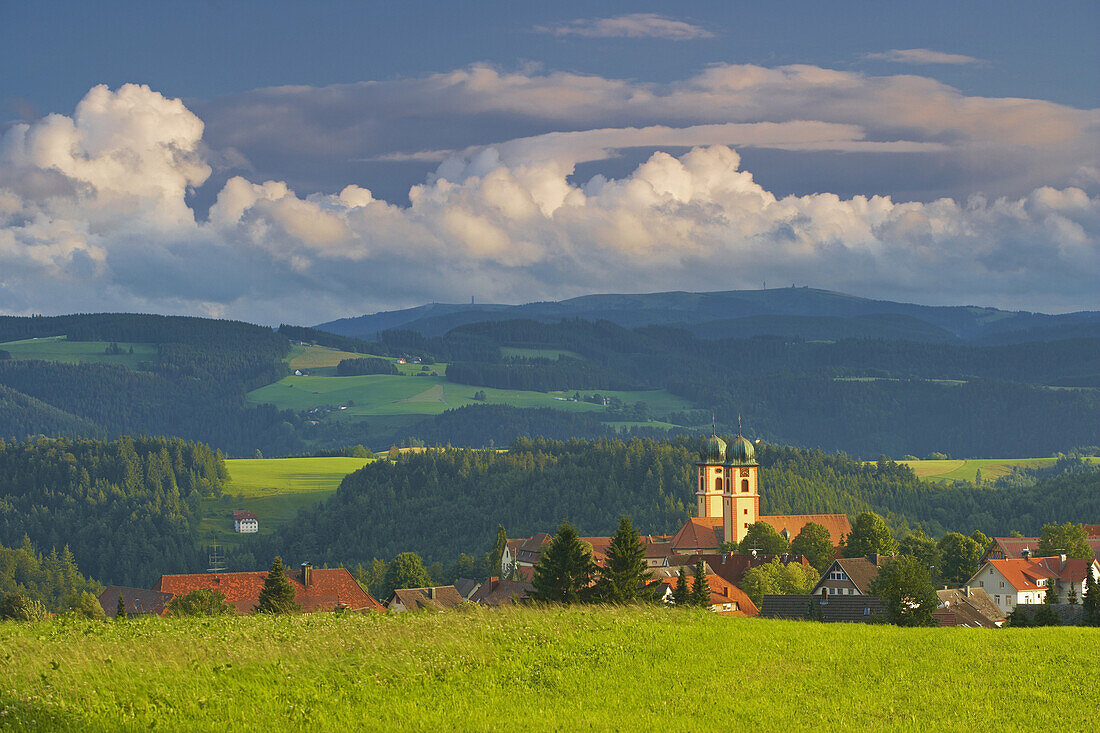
(298,162)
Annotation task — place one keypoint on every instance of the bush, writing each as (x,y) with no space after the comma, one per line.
(17,607)
(85,605)
(201,602)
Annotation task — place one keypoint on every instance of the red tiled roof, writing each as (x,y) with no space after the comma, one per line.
(1093,530)
(698,533)
(1015,546)
(732,567)
(722,592)
(242,514)
(329,588)
(1022,574)
(837,524)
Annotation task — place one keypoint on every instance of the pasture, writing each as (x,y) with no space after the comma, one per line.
(59,348)
(384,394)
(966,469)
(274,489)
(524,668)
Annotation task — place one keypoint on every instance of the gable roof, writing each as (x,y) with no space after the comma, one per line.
(496,592)
(721,593)
(239,514)
(431,598)
(969,607)
(1015,546)
(138,601)
(1024,574)
(328,588)
(837,524)
(860,570)
(698,533)
(466,587)
(851,609)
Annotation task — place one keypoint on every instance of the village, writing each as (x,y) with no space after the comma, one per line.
(1012,579)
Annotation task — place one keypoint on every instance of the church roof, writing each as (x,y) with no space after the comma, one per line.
(714,450)
(741,452)
(698,533)
(837,524)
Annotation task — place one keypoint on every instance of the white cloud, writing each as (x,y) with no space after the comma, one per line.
(631,25)
(93,216)
(920,56)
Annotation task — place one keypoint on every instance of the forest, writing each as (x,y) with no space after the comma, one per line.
(126,509)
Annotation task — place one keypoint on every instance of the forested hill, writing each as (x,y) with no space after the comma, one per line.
(127,509)
(442,502)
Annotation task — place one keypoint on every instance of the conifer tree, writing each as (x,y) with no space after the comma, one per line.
(1091,600)
(626,569)
(565,570)
(120,609)
(681,596)
(700,589)
(498,550)
(278,594)
(1071,597)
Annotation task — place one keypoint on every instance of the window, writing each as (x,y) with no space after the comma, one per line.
(837,575)
(746,511)
(718,484)
(1002,584)
(997,600)
(744,486)
(702,484)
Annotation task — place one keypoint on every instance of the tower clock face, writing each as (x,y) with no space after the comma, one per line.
(744,472)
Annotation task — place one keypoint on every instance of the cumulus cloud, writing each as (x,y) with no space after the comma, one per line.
(631,25)
(919,56)
(94,215)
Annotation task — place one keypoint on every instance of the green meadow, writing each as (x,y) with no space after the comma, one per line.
(386,394)
(274,489)
(59,348)
(531,669)
(965,470)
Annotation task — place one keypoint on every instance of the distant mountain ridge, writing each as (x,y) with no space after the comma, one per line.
(795,312)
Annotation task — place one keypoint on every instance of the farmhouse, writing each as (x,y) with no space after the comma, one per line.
(1008,547)
(138,601)
(314,589)
(419,599)
(968,606)
(245,522)
(725,597)
(1025,580)
(849,576)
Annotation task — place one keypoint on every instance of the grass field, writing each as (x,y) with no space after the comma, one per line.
(274,489)
(527,669)
(965,470)
(382,394)
(59,348)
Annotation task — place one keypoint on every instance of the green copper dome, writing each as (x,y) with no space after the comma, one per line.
(741,452)
(714,451)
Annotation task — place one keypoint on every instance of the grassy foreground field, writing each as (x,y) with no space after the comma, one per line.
(965,470)
(274,489)
(528,669)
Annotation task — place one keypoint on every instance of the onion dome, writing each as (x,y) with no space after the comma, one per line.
(741,452)
(714,451)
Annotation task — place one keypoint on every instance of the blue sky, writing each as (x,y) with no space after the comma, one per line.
(303,161)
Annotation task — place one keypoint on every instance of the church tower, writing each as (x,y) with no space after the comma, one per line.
(711,478)
(741,495)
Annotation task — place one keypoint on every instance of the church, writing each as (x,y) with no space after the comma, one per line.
(727,501)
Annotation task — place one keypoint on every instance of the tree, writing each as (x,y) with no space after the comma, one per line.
(1071,597)
(924,548)
(85,605)
(201,602)
(120,608)
(869,536)
(1091,600)
(700,588)
(278,593)
(959,557)
(1068,538)
(763,538)
(815,544)
(394,453)
(681,595)
(497,552)
(906,587)
(565,569)
(775,578)
(405,571)
(626,572)
(1018,619)
(1053,594)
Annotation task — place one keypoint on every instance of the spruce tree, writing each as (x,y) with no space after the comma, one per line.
(278,594)
(700,589)
(498,551)
(1091,600)
(626,571)
(120,609)
(564,572)
(681,596)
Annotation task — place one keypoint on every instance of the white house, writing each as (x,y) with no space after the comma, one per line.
(1026,580)
(245,522)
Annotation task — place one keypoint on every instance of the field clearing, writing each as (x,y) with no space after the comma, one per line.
(527,669)
(526,353)
(965,470)
(384,394)
(59,348)
(274,489)
(315,357)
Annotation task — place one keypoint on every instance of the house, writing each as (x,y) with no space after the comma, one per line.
(138,601)
(968,606)
(435,598)
(496,592)
(1003,548)
(832,609)
(315,589)
(245,522)
(1024,580)
(725,597)
(466,587)
(850,576)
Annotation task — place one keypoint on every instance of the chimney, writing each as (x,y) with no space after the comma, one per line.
(1026,553)
(431,594)
(307,574)
(966,591)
